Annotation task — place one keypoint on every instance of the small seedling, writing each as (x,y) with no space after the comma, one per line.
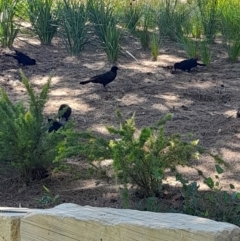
(48,199)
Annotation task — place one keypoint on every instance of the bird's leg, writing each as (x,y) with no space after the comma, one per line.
(105,88)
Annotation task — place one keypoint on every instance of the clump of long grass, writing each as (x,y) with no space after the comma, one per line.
(208,10)
(145,25)
(196,29)
(105,25)
(144,37)
(43,19)
(189,45)
(172,18)
(8,26)
(230,29)
(155,45)
(205,52)
(73,25)
(132,15)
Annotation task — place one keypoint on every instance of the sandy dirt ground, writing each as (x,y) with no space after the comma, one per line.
(203,102)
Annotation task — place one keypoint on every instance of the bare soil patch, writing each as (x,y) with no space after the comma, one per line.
(203,102)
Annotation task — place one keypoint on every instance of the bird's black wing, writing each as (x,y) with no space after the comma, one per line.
(100,76)
(25,59)
(96,77)
(20,54)
(106,77)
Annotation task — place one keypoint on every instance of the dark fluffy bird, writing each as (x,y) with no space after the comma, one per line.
(55,125)
(103,79)
(64,111)
(22,58)
(187,64)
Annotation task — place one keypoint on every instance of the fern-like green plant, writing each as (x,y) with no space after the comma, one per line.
(24,139)
(142,160)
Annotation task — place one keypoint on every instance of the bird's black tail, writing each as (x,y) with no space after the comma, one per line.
(201,64)
(85,82)
(11,55)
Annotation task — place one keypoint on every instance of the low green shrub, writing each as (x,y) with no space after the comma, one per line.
(217,204)
(143,159)
(48,198)
(24,140)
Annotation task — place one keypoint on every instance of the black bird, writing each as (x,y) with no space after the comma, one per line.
(64,111)
(187,64)
(55,125)
(22,58)
(103,79)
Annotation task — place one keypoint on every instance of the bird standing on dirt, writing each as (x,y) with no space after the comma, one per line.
(64,111)
(22,58)
(187,64)
(103,79)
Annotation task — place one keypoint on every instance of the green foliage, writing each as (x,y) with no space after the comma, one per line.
(189,45)
(149,204)
(172,18)
(142,160)
(43,19)
(144,37)
(24,140)
(73,25)
(8,26)
(155,44)
(145,24)
(191,197)
(87,145)
(215,204)
(48,199)
(196,28)
(209,17)
(230,17)
(205,52)
(102,16)
(132,15)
